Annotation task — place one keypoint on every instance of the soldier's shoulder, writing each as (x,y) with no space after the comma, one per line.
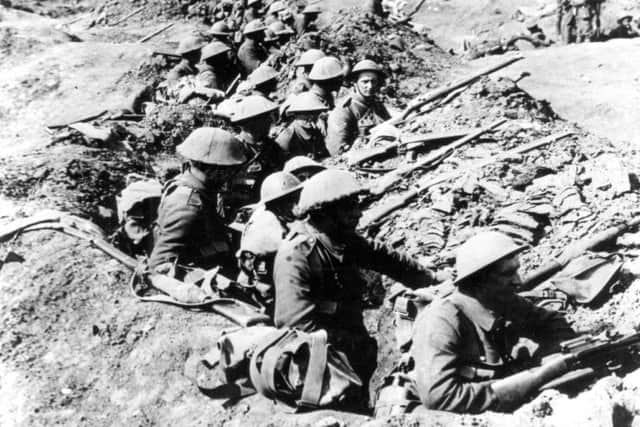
(345,102)
(298,240)
(176,193)
(438,313)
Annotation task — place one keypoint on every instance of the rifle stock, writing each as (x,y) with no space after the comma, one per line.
(418,103)
(426,183)
(578,248)
(374,153)
(385,182)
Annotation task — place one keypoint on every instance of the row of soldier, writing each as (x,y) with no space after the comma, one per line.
(299,255)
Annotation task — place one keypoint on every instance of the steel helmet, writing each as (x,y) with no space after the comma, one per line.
(254,26)
(213,146)
(252,2)
(276,7)
(252,106)
(262,234)
(367,65)
(277,185)
(624,17)
(261,75)
(214,48)
(326,187)
(299,163)
(280,29)
(306,102)
(137,192)
(310,57)
(482,250)
(270,36)
(312,8)
(327,68)
(220,28)
(190,44)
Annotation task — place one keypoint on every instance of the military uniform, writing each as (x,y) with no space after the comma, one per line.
(318,286)
(189,229)
(250,55)
(353,117)
(264,159)
(459,347)
(326,99)
(302,139)
(299,85)
(182,69)
(209,77)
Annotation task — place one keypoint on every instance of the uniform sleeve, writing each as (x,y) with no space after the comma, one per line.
(284,140)
(294,305)
(376,256)
(546,327)
(176,221)
(436,351)
(342,130)
(208,79)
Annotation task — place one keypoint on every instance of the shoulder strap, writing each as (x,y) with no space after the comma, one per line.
(314,379)
(257,373)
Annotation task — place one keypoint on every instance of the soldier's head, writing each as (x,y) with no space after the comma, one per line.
(275,8)
(279,194)
(190,48)
(311,12)
(306,107)
(215,53)
(625,21)
(254,114)
(368,77)
(214,153)
(220,31)
(303,167)
(254,30)
(487,266)
(264,80)
(306,61)
(327,73)
(282,32)
(331,201)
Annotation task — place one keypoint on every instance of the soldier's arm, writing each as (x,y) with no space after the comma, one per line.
(340,130)
(546,327)
(181,209)
(379,257)
(294,305)
(443,379)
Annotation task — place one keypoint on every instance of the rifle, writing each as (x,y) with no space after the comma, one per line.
(232,87)
(576,249)
(409,144)
(167,55)
(428,182)
(237,311)
(594,356)
(388,180)
(438,93)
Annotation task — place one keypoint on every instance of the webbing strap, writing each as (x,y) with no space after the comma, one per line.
(257,374)
(314,379)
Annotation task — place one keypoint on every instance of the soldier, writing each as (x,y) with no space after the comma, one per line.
(265,231)
(221,32)
(214,67)
(302,167)
(306,21)
(359,112)
(251,52)
(254,115)
(263,81)
(190,232)
(624,30)
(189,51)
(272,13)
(326,78)
(318,285)
(253,11)
(282,31)
(468,346)
(303,136)
(303,67)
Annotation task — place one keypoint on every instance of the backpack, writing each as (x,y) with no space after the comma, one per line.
(299,369)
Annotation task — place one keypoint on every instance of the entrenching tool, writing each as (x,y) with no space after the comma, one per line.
(388,180)
(374,216)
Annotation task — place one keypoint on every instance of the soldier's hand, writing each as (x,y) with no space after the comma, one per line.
(444,275)
(164,268)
